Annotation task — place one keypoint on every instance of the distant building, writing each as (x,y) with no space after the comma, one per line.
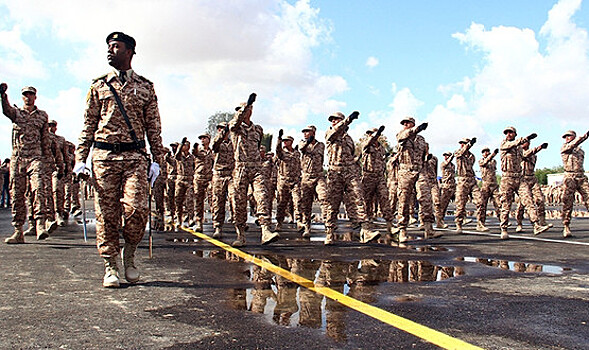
(556,179)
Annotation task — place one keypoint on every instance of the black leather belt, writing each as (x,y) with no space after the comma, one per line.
(119,147)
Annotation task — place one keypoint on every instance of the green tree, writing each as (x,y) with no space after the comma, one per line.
(216,119)
(541,174)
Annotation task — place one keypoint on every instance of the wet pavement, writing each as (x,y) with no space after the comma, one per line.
(515,294)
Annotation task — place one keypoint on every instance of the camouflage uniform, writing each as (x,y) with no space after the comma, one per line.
(270,171)
(489,187)
(575,179)
(448,187)
(29,147)
(203,174)
(393,180)
(431,175)
(72,185)
(58,176)
(184,189)
(170,162)
(289,180)
(373,179)
(530,181)
(121,187)
(159,189)
(313,180)
(222,169)
(466,182)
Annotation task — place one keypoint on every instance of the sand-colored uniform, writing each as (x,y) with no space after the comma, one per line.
(489,186)
(466,184)
(120,177)
(224,163)
(203,175)
(530,181)
(170,161)
(58,176)
(72,185)
(184,188)
(373,179)
(448,184)
(289,180)
(431,175)
(392,181)
(575,179)
(313,180)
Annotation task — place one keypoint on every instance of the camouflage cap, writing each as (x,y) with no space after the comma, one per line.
(447,154)
(288,138)
(28,89)
(310,128)
(174,144)
(569,133)
(120,36)
(510,128)
(371,131)
(336,115)
(51,122)
(205,135)
(464,140)
(408,119)
(486,149)
(222,125)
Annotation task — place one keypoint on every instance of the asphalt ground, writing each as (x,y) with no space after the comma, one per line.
(524,293)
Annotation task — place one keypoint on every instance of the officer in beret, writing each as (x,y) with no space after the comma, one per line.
(120,163)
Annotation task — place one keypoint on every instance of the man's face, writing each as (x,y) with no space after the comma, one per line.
(486,153)
(186,146)
(308,133)
(118,55)
(446,156)
(408,125)
(510,135)
(526,145)
(569,138)
(205,141)
(29,98)
(335,121)
(53,128)
(288,144)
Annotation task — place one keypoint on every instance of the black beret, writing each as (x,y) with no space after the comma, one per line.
(120,36)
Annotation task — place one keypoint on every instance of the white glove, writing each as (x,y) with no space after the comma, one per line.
(79,168)
(154,172)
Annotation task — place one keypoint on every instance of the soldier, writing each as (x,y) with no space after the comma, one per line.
(342,179)
(121,109)
(412,153)
(393,180)
(247,137)
(431,175)
(530,182)
(222,169)
(313,179)
(270,171)
(575,179)
(159,189)
(58,177)
(184,194)
(71,201)
(29,146)
(170,161)
(373,179)
(203,174)
(289,178)
(511,159)
(448,187)
(466,184)
(489,188)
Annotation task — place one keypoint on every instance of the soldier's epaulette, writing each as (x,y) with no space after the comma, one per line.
(144,79)
(99,78)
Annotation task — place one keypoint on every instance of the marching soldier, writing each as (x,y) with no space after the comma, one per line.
(170,161)
(30,145)
(393,180)
(342,179)
(203,174)
(289,178)
(121,109)
(184,194)
(58,177)
(222,169)
(431,175)
(489,188)
(448,188)
(159,194)
(466,184)
(575,179)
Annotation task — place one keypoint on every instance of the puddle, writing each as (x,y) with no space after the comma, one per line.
(517,266)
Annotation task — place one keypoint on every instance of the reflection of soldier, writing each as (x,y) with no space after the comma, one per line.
(222,169)
(333,275)
(364,276)
(511,158)
(286,296)
(29,146)
(575,179)
(530,182)
(203,174)
(309,301)
(448,188)
(466,183)
(289,178)
(262,290)
(342,179)
(489,188)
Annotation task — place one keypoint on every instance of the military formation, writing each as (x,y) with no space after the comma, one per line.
(233,172)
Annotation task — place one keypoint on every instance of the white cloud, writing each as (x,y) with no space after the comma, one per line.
(372,62)
(404,104)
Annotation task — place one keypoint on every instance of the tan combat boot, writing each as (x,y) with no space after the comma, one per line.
(538,229)
(300,226)
(441,224)
(198,226)
(268,236)
(403,235)
(466,222)
(329,236)
(307,230)
(131,272)
(278,226)
(17,237)
(240,241)
(59,220)
(566,231)
(367,235)
(519,228)
(111,273)
(41,231)
(458,228)
(50,226)
(430,232)
(32,230)
(217,233)
(504,234)
(481,227)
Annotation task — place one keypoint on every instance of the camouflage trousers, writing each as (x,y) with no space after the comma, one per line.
(341,183)
(201,191)
(392,186)
(288,192)
(47,189)
(466,186)
(184,197)
(573,183)
(171,196)
(72,194)
(311,185)
(510,185)
(243,176)
(375,191)
(158,192)
(221,187)
(25,173)
(435,192)
(446,194)
(532,185)
(58,192)
(411,182)
(489,191)
(120,201)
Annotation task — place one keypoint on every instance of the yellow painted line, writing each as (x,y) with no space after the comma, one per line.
(431,335)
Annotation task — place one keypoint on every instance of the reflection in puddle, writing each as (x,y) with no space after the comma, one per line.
(516,266)
(285,303)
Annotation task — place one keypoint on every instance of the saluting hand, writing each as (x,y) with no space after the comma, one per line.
(3,88)
(532,136)
(354,115)
(544,145)
(280,133)
(421,127)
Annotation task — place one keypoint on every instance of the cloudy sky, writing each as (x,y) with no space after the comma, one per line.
(468,68)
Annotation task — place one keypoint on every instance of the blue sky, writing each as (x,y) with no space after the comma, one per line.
(469,68)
